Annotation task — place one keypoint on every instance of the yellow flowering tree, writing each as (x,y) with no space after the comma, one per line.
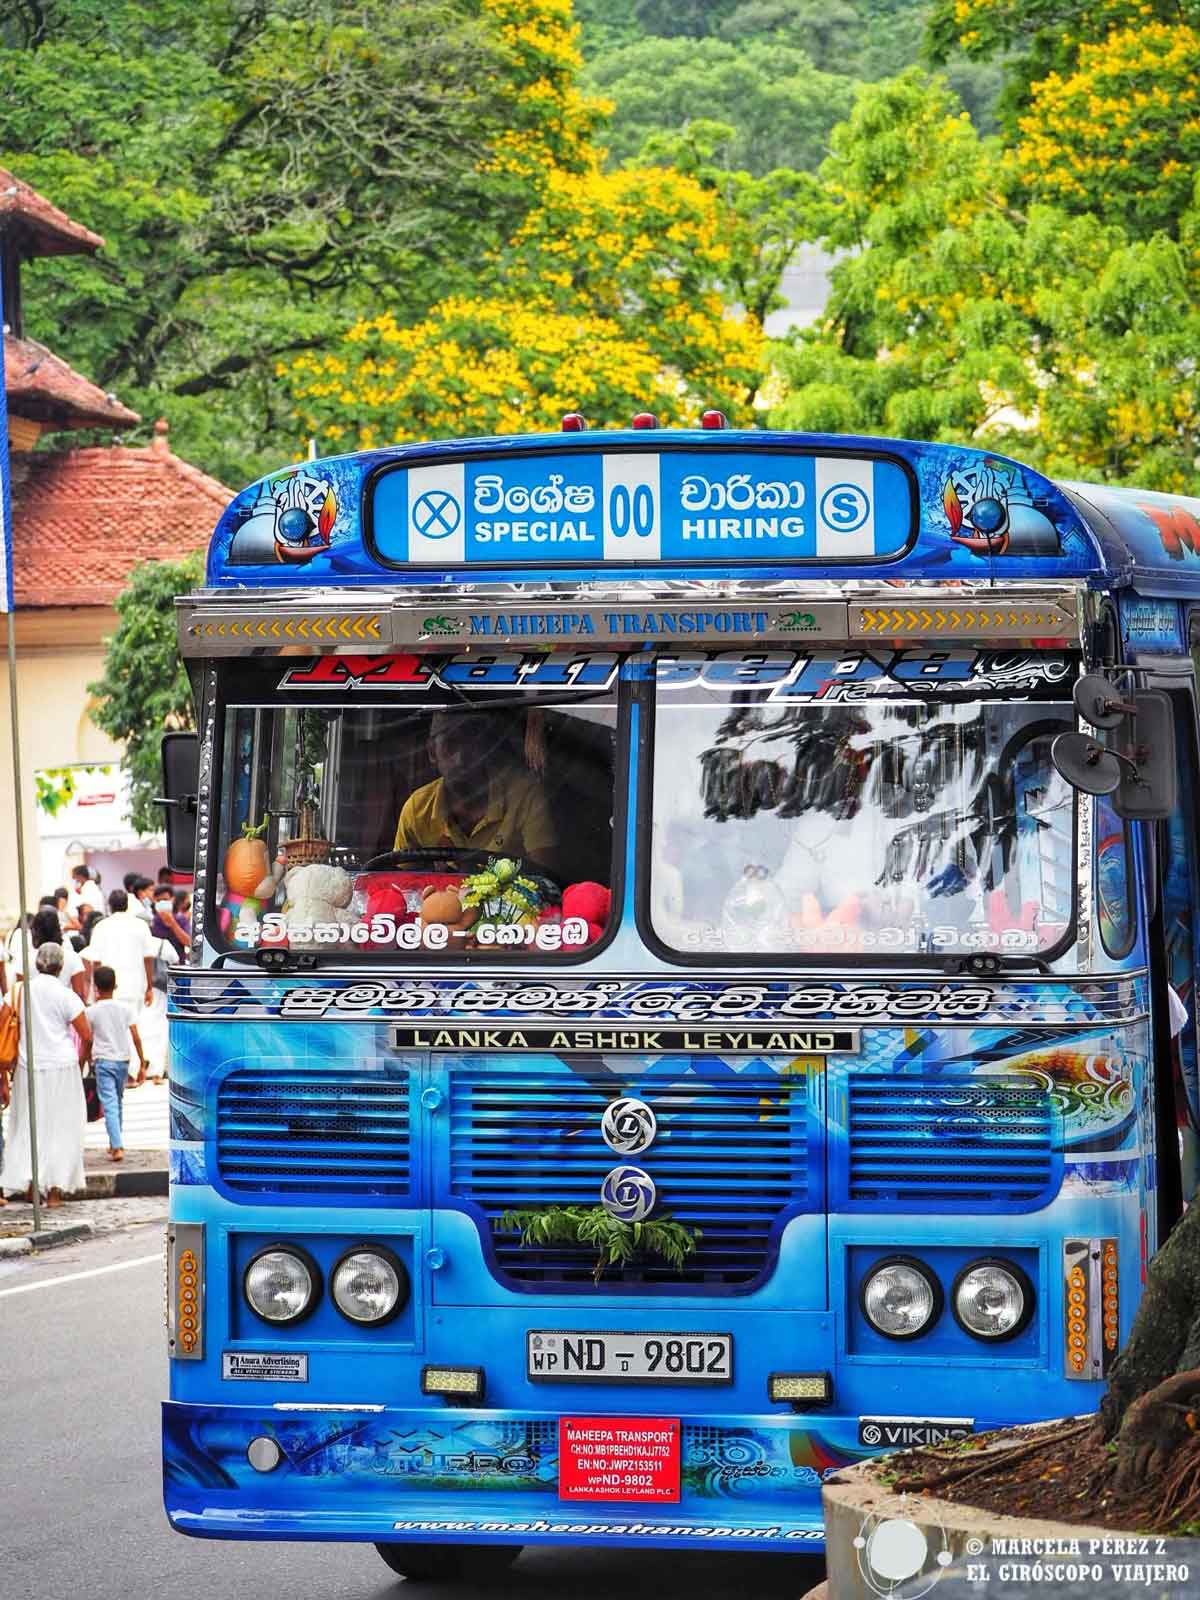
(1038,37)
(552,122)
(605,297)
(961,313)
(1120,134)
(473,366)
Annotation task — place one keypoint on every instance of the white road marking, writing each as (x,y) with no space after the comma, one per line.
(74,1277)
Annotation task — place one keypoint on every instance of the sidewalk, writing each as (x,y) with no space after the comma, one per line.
(144,1122)
(145,1129)
(118,1195)
(77,1219)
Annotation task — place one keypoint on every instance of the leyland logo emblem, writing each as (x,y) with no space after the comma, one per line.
(628,1126)
(628,1194)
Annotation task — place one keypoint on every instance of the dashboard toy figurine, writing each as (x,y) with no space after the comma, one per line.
(249,882)
(445,908)
(316,893)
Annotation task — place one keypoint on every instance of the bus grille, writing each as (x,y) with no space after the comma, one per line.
(314,1135)
(732,1158)
(939,1144)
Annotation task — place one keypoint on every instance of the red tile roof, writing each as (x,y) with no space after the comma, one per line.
(41,386)
(48,231)
(83,519)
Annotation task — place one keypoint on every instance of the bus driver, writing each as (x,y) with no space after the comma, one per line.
(482,800)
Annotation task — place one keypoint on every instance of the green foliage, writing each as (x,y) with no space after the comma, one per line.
(55,788)
(144,692)
(766,218)
(778,106)
(779,72)
(616,1243)
(606,24)
(262,175)
(311,751)
(672,18)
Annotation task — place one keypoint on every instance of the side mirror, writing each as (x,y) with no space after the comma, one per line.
(181,783)
(1139,770)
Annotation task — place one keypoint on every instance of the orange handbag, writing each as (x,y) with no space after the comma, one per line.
(10,1033)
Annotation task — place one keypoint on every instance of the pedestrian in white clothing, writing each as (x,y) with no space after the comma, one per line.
(44,929)
(125,943)
(58,1017)
(85,892)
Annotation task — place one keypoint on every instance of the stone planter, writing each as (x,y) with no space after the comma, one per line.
(879,1543)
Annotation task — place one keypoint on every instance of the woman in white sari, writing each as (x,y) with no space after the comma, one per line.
(58,1017)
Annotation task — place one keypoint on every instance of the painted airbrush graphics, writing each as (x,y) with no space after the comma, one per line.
(251,995)
(288,520)
(992,511)
(499,1455)
(1076,1093)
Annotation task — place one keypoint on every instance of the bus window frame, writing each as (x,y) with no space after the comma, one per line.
(943,963)
(1179,677)
(500,960)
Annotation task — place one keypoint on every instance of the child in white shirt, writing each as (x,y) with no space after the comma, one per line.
(112,1036)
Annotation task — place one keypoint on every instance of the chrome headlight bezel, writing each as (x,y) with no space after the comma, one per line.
(316,1284)
(1023,1282)
(399,1271)
(912,1264)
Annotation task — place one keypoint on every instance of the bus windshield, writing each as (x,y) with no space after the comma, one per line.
(352,830)
(888,816)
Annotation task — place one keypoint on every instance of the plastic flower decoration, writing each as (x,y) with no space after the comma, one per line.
(503,893)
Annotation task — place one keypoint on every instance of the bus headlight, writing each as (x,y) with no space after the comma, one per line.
(282,1284)
(369,1285)
(900,1298)
(992,1300)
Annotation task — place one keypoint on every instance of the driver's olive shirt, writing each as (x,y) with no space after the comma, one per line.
(516,821)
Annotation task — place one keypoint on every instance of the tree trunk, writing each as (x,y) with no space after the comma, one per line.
(1165,1337)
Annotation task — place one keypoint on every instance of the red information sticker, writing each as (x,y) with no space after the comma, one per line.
(618,1458)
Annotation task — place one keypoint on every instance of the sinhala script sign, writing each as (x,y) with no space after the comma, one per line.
(643,506)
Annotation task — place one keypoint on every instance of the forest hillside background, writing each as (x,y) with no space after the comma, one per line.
(392,219)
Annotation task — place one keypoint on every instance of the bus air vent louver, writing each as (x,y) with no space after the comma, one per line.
(315,1134)
(945,1144)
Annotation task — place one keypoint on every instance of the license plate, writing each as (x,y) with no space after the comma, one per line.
(571,1356)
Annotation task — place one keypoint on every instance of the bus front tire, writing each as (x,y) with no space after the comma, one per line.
(442,1563)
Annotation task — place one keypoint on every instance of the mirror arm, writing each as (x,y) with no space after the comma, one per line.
(185,803)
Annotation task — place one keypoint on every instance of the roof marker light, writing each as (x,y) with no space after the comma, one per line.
(714,419)
(574,422)
(645,419)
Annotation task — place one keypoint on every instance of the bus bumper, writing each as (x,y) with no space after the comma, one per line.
(458,1476)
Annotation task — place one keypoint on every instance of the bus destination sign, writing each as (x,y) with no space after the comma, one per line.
(620,1039)
(643,506)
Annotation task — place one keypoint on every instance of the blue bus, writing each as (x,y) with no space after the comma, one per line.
(680,997)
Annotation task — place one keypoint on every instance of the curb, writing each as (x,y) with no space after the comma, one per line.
(23,1244)
(117,1185)
(69,1233)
